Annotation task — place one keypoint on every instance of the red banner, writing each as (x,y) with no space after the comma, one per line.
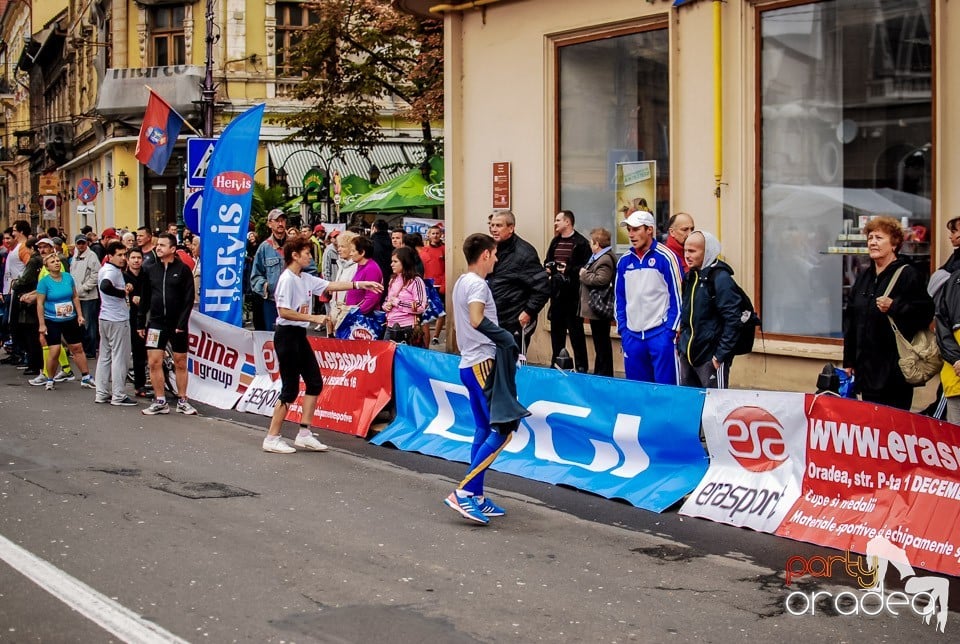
(874,473)
(357,384)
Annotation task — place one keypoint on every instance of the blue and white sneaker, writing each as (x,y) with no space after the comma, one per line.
(467,507)
(489,508)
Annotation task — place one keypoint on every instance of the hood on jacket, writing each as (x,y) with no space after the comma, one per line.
(711,248)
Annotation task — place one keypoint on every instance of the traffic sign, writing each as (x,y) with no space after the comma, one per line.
(191,211)
(87,190)
(199,152)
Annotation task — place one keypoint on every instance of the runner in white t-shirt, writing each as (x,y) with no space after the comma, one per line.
(472,305)
(294,296)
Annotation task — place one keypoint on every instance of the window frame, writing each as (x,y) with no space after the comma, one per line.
(168,34)
(283,32)
(603,32)
(759,9)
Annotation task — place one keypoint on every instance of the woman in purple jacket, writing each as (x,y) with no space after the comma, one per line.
(360,251)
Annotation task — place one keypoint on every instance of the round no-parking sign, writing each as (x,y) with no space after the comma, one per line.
(86,190)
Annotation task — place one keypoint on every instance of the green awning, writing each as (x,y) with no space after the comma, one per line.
(406,192)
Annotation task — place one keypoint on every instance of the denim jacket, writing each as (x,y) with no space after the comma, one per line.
(267,266)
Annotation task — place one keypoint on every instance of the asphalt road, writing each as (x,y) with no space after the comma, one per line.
(185,526)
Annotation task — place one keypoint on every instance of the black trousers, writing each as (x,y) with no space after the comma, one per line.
(600,329)
(563,320)
(138,348)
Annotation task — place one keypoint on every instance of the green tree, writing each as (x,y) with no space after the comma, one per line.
(357,53)
(264,200)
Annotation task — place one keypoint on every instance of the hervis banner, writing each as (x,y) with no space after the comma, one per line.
(225,215)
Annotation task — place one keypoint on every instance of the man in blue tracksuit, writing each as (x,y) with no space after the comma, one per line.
(648,304)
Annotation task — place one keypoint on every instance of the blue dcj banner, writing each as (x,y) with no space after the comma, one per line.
(225,215)
(619,439)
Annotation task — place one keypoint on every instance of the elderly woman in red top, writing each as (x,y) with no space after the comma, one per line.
(406,296)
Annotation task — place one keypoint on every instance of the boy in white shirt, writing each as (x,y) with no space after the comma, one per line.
(294,296)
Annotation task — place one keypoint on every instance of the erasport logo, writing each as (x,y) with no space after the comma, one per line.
(756,438)
(924,596)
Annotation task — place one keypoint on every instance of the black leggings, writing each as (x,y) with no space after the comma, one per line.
(296,359)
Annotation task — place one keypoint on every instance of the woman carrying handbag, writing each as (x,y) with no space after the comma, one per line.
(596,298)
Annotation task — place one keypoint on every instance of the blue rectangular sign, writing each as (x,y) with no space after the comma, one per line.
(199,153)
(616,438)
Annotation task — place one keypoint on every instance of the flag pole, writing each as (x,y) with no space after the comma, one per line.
(185,121)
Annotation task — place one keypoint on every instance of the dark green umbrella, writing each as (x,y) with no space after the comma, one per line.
(408,191)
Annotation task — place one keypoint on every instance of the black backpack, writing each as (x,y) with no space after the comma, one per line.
(748,315)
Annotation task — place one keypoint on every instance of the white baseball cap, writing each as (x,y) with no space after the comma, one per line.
(639,218)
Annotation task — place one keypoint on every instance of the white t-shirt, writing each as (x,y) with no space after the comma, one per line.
(296,293)
(474,346)
(14,269)
(112,308)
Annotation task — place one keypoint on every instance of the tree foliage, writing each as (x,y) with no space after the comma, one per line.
(358,53)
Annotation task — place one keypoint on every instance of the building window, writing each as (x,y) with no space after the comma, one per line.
(846,135)
(168,43)
(613,116)
(292,19)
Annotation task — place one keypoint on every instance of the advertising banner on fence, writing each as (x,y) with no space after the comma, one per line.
(356,384)
(875,473)
(261,394)
(220,361)
(756,445)
(641,444)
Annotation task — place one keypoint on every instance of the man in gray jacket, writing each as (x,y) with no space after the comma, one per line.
(84,269)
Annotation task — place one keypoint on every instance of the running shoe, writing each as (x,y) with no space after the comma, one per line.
(489,508)
(38,381)
(126,401)
(467,507)
(310,443)
(49,385)
(100,400)
(87,382)
(276,445)
(156,408)
(183,407)
(62,376)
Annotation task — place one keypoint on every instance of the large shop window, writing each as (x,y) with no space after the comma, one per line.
(846,135)
(613,116)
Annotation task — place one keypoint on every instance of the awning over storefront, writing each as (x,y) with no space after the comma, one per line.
(411,192)
(391,158)
(123,91)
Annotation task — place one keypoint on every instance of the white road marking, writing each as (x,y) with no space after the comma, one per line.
(108,614)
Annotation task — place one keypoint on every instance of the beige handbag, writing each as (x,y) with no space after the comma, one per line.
(920,357)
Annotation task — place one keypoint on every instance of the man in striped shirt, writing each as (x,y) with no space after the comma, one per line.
(648,304)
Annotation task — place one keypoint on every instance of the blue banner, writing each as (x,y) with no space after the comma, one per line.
(225,215)
(616,438)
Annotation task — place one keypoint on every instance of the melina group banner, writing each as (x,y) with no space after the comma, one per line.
(641,444)
(833,471)
(232,367)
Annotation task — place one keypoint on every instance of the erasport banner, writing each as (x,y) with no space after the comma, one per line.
(641,445)
(756,445)
(877,473)
(220,361)
(356,384)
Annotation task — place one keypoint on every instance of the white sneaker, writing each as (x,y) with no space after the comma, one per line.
(38,381)
(183,407)
(49,386)
(62,376)
(276,445)
(87,382)
(310,443)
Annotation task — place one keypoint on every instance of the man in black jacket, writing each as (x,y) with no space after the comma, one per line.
(569,251)
(382,248)
(165,306)
(709,315)
(520,285)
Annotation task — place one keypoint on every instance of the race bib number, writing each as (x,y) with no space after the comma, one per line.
(64,310)
(153,338)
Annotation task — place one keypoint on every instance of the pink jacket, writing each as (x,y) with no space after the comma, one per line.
(407,300)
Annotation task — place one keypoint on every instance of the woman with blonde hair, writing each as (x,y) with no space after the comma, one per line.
(890,288)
